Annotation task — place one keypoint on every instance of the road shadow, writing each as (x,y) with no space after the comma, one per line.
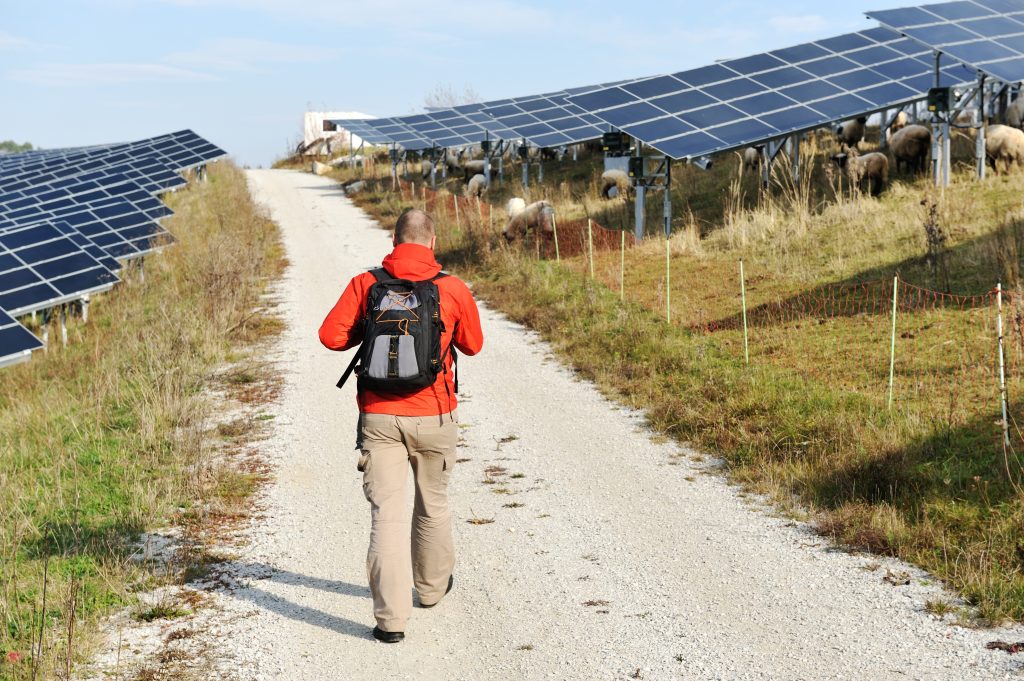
(302,613)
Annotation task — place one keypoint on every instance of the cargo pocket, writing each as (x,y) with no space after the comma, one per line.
(364,458)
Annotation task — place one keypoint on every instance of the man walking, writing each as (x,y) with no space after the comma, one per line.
(401,426)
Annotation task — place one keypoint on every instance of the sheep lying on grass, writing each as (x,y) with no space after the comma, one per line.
(538,216)
(477,186)
(850,133)
(872,169)
(1006,144)
(910,147)
(615,183)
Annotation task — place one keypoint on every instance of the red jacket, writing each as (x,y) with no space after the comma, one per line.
(341,330)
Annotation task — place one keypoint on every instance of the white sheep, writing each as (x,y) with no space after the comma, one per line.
(752,157)
(1006,144)
(850,133)
(910,147)
(871,168)
(898,123)
(523,217)
(614,183)
(477,186)
(471,168)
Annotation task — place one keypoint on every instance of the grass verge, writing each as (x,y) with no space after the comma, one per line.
(110,436)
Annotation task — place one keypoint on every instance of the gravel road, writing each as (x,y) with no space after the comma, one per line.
(609,556)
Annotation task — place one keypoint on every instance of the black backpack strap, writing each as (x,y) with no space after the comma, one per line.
(381,274)
(348,371)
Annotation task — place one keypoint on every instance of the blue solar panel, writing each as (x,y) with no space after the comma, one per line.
(155,161)
(40,268)
(743,101)
(45,202)
(16,342)
(987,35)
(551,120)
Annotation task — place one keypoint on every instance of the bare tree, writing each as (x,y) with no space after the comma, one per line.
(444,95)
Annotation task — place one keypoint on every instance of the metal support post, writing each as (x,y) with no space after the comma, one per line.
(142,270)
(64,325)
(1002,370)
(540,172)
(85,309)
(795,156)
(667,199)
(979,140)
(46,330)
(945,152)
(501,168)
(640,211)
(936,129)
(883,129)
(487,159)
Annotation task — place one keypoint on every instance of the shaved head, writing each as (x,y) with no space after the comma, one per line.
(414,227)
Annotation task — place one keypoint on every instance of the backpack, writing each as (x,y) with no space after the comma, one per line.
(402,327)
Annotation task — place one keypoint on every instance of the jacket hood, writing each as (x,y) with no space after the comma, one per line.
(411,261)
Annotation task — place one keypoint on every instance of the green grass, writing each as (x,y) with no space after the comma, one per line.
(109,437)
(807,420)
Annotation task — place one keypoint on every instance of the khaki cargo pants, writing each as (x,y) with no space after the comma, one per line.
(390,444)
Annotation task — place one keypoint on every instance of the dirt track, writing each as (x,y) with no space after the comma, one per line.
(684,578)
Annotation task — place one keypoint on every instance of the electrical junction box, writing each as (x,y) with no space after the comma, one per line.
(636,167)
(524,152)
(613,142)
(485,146)
(941,99)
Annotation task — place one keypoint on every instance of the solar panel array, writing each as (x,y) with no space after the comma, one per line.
(550,120)
(742,101)
(69,218)
(986,34)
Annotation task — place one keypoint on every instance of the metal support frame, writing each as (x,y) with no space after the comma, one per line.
(979,122)
(794,155)
(937,146)
(433,167)
(84,303)
(639,205)
(771,150)
(394,166)
(642,184)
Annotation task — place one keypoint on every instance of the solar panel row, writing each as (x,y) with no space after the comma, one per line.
(741,101)
(987,34)
(69,217)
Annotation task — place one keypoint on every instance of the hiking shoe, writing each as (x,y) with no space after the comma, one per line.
(451,582)
(388,636)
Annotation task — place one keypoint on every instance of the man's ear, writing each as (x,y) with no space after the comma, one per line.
(433,242)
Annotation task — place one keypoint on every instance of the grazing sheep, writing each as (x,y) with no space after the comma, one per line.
(522,217)
(752,157)
(615,183)
(872,168)
(477,186)
(910,147)
(471,168)
(850,133)
(1015,113)
(898,123)
(1006,144)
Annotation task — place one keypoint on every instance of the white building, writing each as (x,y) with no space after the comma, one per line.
(317,126)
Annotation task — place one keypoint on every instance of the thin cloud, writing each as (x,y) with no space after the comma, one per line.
(451,17)
(105,74)
(243,54)
(9,41)
(807,23)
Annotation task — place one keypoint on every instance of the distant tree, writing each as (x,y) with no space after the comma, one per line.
(12,147)
(444,95)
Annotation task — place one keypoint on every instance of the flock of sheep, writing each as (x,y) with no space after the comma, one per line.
(910,145)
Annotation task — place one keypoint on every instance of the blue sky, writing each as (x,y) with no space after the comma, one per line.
(241,72)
